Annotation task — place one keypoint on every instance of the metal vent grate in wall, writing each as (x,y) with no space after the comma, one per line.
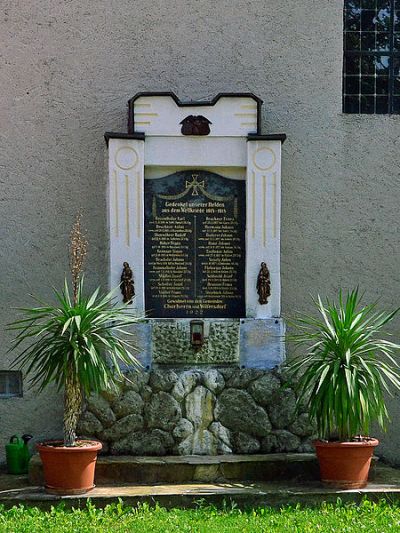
(10,384)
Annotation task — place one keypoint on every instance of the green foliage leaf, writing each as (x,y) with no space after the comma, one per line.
(345,367)
(88,336)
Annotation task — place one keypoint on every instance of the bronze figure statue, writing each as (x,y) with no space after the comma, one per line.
(127,285)
(263,284)
(195,125)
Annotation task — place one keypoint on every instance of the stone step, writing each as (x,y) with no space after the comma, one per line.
(244,495)
(385,484)
(187,469)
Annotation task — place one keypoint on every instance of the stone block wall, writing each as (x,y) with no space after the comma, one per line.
(198,412)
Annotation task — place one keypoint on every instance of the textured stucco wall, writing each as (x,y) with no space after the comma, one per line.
(67,71)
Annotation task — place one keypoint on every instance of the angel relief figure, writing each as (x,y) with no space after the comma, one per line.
(127,285)
(263,284)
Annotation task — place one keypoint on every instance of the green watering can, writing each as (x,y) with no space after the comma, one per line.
(18,455)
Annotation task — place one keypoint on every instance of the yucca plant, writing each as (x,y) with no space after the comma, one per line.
(346,368)
(77,344)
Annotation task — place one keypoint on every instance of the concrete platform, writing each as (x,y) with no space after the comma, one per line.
(385,483)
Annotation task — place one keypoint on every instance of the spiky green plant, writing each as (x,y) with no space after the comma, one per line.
(346,368)
(77,344)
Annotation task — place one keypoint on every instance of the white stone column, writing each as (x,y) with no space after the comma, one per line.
(126,213)
(263,190)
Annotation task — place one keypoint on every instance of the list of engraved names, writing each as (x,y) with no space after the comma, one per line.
(194,246)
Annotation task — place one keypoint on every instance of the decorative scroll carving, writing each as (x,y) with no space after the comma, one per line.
(263,284)
(195,125)
(195,186)
(127,285)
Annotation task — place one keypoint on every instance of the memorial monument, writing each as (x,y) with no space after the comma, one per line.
(194,218)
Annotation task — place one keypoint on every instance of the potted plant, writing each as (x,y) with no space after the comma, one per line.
(341,379)
(76,344)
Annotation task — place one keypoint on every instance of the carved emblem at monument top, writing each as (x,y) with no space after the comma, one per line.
(195,125)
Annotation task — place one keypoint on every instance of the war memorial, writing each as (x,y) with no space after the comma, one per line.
(195,233)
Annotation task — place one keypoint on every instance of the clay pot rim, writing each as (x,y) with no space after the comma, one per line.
(346,444)
(51,446)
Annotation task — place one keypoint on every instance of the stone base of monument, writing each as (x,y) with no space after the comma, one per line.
(298,467)
(202,411)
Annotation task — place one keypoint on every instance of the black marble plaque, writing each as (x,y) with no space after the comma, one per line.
(194,245)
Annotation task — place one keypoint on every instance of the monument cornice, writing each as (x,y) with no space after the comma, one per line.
(191,103)
(138,136)
(270,137)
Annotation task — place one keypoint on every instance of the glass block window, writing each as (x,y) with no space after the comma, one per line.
(10,384)
(371,67)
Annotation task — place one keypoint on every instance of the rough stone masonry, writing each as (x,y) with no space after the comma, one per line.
(200,412)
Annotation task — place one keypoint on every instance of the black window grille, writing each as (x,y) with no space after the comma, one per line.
(371,66)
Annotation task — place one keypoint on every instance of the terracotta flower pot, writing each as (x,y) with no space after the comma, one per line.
(345,465)
(69,470)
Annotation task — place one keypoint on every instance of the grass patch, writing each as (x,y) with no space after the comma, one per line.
(368,516)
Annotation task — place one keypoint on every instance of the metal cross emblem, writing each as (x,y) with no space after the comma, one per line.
(195,184)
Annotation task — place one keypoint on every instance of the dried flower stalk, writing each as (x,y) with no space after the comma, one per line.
(78,246)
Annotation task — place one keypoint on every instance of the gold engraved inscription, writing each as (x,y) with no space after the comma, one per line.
(195,252)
